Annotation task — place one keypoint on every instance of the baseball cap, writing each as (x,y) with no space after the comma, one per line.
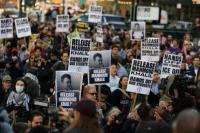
(6,78)
(86,107)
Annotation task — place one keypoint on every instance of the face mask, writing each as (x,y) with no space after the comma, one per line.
(19,89)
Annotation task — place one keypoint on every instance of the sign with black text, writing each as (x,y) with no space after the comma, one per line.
(99,67)
(95,14)
(68,88)
(79,55)
(171,65)
(62,23)
(6,28)
(23,28)
(138,30)
(140,77)
(99,36)
(150,50)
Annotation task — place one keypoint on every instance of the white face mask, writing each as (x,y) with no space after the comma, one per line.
(19,89)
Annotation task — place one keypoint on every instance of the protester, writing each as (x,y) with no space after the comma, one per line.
(6,88)
(34,61)
(120,97)
(18,100)
(85,118)
(35,119)
(20,127)
(187,122)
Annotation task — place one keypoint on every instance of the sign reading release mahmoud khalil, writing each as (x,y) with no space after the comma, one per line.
(99,63)
(68,88)
(140,78)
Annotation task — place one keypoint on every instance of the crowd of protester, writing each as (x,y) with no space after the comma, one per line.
(27,73)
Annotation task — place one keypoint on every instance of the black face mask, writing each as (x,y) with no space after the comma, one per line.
(23,49)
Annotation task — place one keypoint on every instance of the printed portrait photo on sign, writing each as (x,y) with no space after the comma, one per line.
(98,60)
(137,30)
(68,80)
(68,88)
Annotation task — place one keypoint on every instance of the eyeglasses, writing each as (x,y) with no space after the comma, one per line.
(93,94)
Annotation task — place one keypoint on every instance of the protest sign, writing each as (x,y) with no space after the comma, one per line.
(79,55)
(99,67)
(68,88)
(6,28)
(137,30)
(140,77)
(99,36)
(62,23)
(150,49)
(171,65)
(95,14)
(23,28)
(82,27)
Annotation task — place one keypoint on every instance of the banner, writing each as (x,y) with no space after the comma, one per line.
(171,65)
(79,55)
(6,28)
(138,30)
(68,88)
(99,37)
(150,50)
(23,28)
(140,77)
(95,14)
(99,66)
(62,23)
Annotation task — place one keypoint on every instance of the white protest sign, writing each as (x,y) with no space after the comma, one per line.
(68,88)
(99,36)
(138,30)
(171,65)
(95,14)
(23,28)
(99,67)
(140,77)
(62,23)
(79,55)
(6,28)
(150,49)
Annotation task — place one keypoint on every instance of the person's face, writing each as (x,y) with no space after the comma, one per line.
(92,94)
(103,97)
(124,82)
(38,52)
(66,83)
(174,44)
(6,84)
(20,83)
(98,61)
(115,51)
(137,27)
(196,62)
(156,77)
(65,57)
(113,69)
(37,120)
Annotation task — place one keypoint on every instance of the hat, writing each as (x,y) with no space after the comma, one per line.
(86,107)
(6,78)
(153,127)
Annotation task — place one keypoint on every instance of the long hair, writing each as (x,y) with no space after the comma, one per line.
(120,85)
(86,125)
